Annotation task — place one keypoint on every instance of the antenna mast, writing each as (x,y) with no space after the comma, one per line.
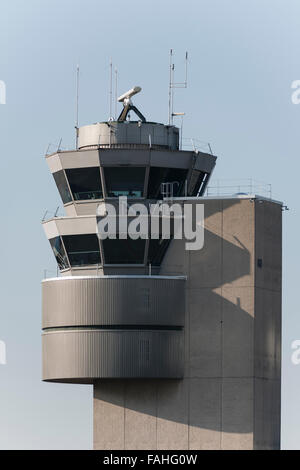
(173,85)
(170,86)
(110,90)
(116,91)
(77,105)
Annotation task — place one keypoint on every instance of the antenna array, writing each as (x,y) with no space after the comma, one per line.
(173,85)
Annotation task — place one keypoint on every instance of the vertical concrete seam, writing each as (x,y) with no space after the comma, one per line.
(221,327)
(156,420)
(254,318)
(93,428)
(189,349)
(280,378)
(124,414)
(189,410)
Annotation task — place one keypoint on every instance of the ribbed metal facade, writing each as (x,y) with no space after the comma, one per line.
(80,356)
(113,327)
(114,133)
(113,301)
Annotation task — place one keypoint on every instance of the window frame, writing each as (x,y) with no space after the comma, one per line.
(82,265)
(145,185)
(68,186)
(66,254)
(101,189)
(124,264)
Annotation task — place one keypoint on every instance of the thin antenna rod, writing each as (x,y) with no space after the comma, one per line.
(186,67)
(170,86)
(181,132)
(172,100)
(110,91)
(173,84)
(116,92)
(77,105)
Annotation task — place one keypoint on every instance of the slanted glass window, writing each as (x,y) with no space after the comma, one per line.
(82,250)
(197,183)
(175,176)
(85,183)
(59,253)
(203,184)
(62,186)
(157,250)
(124,251)
(124,181)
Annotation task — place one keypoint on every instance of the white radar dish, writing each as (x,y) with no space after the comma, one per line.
(129,94)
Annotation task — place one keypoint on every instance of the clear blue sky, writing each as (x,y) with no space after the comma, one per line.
(244,55)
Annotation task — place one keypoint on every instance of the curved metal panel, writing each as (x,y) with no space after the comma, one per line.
(79,356)
(113,301)
(134,132)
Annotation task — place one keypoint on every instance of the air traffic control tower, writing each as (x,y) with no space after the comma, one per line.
(183,348)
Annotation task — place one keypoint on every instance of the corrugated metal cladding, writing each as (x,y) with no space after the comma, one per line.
(146,133)
(113,301)
(113,327)
(79,356)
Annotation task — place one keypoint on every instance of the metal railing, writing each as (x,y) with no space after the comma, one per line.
(186,143)
(52,214)
(229,187)
(49,273)
(54,148)
(190,143)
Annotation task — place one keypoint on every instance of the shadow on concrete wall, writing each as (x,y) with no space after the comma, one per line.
(216,392)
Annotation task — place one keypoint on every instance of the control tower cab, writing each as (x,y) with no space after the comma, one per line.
(110,314)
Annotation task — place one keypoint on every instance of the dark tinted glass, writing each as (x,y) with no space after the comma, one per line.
(85,183)
(59,252)
(203,184)
(82,249)
(196,184)
(176,176)
(121,181)
(124,251)
(157,250)
(62,186)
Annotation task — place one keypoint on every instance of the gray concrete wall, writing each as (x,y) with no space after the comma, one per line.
(267,358)
(230,395)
